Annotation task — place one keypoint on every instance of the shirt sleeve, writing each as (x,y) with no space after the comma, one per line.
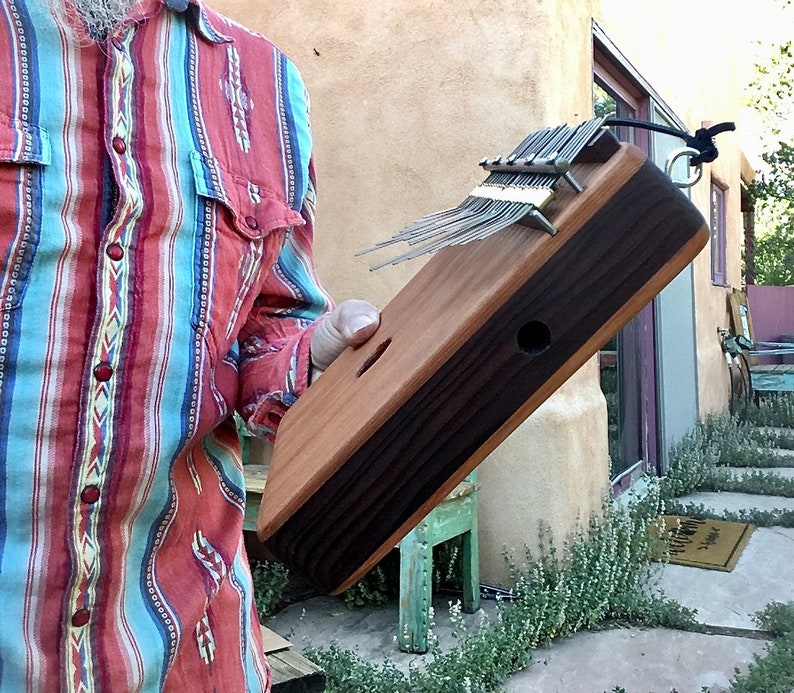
(275,340)
(274,343)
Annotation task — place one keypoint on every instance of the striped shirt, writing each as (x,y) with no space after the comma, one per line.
(156,205)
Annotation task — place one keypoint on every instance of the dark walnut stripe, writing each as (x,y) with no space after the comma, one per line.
(589,280)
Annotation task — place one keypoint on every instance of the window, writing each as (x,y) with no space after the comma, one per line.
(718,235)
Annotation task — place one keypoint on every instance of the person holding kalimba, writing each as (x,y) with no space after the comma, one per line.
(156,222)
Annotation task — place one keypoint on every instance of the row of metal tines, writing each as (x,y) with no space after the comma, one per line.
(517,188)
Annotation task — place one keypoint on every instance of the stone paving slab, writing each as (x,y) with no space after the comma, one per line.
(763,574)
(785,454)
(639,660)
(720,501)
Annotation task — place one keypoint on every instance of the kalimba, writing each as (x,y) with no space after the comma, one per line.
(499,317)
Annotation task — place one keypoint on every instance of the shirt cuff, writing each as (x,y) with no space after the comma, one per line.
(263,408)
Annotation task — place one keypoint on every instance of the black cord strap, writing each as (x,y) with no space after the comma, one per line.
(702,140)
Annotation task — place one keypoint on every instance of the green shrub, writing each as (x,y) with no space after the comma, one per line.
(774,409)
(774,671)
(270,579)
(601,573)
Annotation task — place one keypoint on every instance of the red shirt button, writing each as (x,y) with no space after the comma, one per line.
(119,145)
(80,617)
(103,372)
(115,251)
(252,222)
(90,494)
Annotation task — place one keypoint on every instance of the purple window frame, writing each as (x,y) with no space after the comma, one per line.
(719,273)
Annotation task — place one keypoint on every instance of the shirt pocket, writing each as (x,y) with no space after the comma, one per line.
(243,230)
(24,153)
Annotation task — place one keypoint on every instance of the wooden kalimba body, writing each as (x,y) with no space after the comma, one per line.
(474,343)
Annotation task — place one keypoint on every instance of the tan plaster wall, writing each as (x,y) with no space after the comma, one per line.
(407,97)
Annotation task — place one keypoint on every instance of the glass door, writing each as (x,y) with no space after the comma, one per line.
(627,365)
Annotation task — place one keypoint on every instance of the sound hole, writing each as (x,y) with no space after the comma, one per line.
(534,337)
(370,362)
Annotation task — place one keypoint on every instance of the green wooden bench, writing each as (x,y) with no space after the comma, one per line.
(455,516)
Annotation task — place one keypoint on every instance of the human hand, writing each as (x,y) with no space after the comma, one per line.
(351,323)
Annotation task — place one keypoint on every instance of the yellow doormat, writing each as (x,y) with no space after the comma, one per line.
(712,544)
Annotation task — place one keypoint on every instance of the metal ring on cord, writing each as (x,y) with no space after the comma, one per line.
(674,156)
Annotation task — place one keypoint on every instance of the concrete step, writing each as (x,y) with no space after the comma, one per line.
(637,660)
(777,430)
(730,600)
(722,501)
(783,453)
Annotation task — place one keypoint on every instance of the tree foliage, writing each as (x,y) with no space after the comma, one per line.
(773,192)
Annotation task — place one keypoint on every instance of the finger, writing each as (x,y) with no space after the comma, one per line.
(351,323)
(356,321)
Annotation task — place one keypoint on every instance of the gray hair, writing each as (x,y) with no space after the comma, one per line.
(100,16)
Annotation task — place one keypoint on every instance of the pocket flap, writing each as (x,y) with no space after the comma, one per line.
(255,209)
(24,143)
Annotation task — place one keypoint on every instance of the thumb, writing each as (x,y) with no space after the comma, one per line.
(351,323)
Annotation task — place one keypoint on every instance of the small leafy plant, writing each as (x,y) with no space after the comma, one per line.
(600,574)
(774,671)
(270,578)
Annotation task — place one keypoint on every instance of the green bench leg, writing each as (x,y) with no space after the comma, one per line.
(470,551)
(416,590)
(455,518)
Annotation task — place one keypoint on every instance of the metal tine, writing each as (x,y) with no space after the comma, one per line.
(470,218)
(417,228)
(414,252)
(546,136)
(577,139)
(565,146)
(478,227)
(463,217)
(550,135)
(479,217)
(472,226)
(427,225)
(534,142)
(552,148)
(502,215)
(546,148)
(433,227)
(530,141)
(583,135)
(522,179)
(447,230)
(446,226)
(491,213)
(456,237)
(567,142)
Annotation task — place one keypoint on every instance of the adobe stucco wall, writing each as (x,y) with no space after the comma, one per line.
(406,99)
